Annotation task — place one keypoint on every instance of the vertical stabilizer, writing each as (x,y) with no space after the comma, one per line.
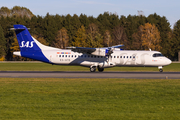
(28,46)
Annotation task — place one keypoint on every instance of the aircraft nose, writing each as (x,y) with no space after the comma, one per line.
(168,61)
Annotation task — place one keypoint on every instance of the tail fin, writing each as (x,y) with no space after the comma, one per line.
(26,42)
(29,46)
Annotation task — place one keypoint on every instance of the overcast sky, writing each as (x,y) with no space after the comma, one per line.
(168,8)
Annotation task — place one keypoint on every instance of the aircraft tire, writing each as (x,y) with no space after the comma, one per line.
(93,68)
(100,69)
(160,70)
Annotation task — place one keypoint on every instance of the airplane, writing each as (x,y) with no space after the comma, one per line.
(94,58)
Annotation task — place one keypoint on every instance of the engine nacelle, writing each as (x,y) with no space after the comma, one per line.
(99,52)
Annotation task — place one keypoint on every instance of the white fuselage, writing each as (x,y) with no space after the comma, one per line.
(117,58)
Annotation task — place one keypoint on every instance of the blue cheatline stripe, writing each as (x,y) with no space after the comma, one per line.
(27,45)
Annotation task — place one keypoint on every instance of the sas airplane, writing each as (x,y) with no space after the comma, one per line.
(94,58)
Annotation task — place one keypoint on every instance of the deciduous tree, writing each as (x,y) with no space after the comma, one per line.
(62,39)
(119,36)
(150,37)
(107,39)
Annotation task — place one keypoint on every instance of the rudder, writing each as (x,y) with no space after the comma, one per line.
(25,40)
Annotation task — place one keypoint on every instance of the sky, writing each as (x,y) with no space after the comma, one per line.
(168,8)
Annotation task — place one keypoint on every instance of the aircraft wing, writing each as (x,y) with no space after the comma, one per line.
(106,51)
(82,49)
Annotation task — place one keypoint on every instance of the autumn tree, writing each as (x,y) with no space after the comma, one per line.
(15,47)
(107,39)
(150,37)
(61,39)
(164,28)
(80,39)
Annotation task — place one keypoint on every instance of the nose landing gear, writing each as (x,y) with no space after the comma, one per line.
(160,69)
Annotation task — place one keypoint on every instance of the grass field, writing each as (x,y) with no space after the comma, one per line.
(49,67)
(89,99)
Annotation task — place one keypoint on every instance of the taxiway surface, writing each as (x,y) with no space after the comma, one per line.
(72,74)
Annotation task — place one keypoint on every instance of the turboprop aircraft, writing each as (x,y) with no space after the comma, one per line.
(94,58)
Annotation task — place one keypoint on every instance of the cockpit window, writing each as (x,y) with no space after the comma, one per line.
(157,55)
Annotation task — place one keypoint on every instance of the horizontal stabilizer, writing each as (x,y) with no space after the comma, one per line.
(16,29)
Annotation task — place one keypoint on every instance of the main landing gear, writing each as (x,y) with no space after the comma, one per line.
(93,69)
(100,69)
(160,69)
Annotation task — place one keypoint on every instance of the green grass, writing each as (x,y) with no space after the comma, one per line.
(49,67)
(89,99)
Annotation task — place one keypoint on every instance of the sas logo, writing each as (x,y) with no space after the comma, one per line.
(27,44)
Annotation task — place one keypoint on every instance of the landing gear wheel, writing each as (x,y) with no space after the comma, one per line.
(100,69)
(93,68)
(160,70)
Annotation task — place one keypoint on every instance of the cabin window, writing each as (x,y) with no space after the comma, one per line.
(59,55)
(66,55)
(120,56)
(157,55)
(72,56)
(117,56)
(75,56)
(130,56)
(62,55)
(124,56)
(114,56)
(134,56)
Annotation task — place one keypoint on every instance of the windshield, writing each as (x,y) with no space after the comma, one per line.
(157,55)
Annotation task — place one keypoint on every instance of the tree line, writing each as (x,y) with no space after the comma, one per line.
(108,29)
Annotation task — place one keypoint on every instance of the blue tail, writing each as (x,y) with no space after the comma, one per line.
(28,46)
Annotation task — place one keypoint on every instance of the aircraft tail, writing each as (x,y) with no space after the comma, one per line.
(29,46)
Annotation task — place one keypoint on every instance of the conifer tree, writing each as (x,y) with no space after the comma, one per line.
(176,39)
(2,44)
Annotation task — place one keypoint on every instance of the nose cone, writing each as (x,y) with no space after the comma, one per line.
(168,61)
